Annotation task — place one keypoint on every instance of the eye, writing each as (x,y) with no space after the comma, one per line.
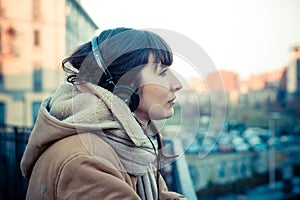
(164,72)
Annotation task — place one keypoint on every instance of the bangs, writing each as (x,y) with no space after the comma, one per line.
(137,43)
(130,49)
(122,50)
(160,49)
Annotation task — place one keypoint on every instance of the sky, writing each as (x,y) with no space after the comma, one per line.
(245,36)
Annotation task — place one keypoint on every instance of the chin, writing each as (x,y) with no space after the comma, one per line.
(163,114)
(170,113)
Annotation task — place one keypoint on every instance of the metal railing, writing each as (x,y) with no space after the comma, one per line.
(13,141)
(182,176)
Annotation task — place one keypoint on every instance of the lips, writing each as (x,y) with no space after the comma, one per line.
(172,101)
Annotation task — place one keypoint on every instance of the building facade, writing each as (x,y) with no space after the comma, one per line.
(35,36)
(293,73)
(264,87)
(224,82)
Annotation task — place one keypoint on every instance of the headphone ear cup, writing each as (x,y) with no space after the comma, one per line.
(128,95)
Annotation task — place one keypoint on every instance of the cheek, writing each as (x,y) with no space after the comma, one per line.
(154,102)
(153,94)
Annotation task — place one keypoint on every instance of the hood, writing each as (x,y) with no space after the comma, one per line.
(76,109)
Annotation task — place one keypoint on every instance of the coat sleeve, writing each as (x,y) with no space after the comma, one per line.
(85,177)
(165,194)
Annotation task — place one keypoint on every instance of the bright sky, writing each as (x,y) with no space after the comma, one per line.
(245,36)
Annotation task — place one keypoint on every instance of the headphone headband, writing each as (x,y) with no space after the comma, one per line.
(126,93)
(99,59)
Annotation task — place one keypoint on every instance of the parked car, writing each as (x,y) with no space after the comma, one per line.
(253,131)
(237,140)
(208,145)
(258,147)
(274,142)
(254,140)
(241,147)
(225,145)
(289,139)
(256,143)
(208,148)
(193,148)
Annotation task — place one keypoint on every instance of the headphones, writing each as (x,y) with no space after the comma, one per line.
(124,92)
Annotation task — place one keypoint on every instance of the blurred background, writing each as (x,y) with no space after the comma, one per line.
(255,46)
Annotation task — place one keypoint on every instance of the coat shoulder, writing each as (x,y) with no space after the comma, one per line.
(84,154)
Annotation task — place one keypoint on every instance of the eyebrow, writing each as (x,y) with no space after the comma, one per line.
(161,68)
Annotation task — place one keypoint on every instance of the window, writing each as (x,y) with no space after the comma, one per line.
(1,77)
(1,9)
(35,110)
(2,113)
(37,80)
(298,75)
(298,68)
(36,35)
(36,9)
(1,39)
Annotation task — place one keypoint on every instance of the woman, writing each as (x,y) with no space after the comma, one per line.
(93,138)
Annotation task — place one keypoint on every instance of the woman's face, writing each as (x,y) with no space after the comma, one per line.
(156,92)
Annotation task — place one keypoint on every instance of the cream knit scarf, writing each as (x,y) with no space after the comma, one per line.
(93,108)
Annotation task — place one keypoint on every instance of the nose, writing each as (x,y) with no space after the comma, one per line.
(175,84)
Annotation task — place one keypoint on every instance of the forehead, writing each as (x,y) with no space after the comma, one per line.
(151,58)
(153,64)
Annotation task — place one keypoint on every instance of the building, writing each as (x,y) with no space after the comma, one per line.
(198,84)
(264,87)
(293,72)
(35,35)
(265,80)
(223,81)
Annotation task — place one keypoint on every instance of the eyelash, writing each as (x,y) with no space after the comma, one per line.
(163,73)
